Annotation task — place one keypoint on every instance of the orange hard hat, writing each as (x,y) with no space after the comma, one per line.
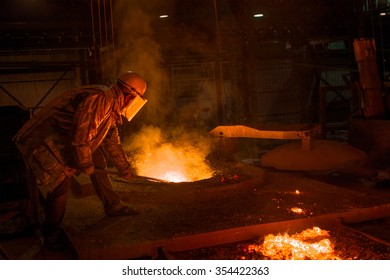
(132,81)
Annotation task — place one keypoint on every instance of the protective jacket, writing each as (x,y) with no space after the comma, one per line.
(60,139)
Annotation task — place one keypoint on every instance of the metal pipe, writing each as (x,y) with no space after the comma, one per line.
(100,24)
(93,25)
(56,50)
(369,236)
(218,67)
(105,20)
(93,42)
(112,35)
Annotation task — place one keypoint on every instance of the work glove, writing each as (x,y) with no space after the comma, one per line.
(381,175)
(127,174)
(88,169)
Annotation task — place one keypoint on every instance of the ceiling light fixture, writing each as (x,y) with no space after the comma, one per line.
(258,15)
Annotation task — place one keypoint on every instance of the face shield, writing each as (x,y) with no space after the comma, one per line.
(133,108)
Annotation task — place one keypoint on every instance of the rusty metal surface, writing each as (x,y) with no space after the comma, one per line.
(365,54)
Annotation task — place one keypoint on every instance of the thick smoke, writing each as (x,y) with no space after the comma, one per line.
(160,141)
(138,31)
(137,50)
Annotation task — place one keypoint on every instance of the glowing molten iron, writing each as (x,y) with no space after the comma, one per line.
(182,160)
(311,244)
(173,164)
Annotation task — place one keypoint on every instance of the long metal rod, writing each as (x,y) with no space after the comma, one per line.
(93,26)
(112,32)
(100,25)
(105,21)
(218,67)
(94,45)
(369,236)
(145,178)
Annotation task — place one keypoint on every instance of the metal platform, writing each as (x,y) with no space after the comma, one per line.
(185,216)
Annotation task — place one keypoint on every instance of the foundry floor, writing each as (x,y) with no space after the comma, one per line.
(172,211)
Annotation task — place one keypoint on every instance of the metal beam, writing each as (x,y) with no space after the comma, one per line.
(242,131)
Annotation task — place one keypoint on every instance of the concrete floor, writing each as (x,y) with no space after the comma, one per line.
(174,215)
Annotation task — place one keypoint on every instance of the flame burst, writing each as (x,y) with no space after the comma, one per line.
(311,244)
(180,160)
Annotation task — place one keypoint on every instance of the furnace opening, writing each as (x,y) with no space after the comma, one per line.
(174,156)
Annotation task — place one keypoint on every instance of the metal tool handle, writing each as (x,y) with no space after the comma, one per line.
(150,179)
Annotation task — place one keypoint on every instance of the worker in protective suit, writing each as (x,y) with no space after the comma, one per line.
(75,133)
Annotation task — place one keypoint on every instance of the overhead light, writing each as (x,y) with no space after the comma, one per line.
(163,16)
(382,14)
(258,15)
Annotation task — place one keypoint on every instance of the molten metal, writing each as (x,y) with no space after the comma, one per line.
(175,159)
(173,164)
(311,244)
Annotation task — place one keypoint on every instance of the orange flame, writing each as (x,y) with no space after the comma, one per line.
(174,164)
(312,244)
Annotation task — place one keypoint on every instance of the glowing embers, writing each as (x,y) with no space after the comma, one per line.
(297,210)
(310,244)
(182,158)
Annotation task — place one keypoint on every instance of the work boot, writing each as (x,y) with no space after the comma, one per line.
(55,239)
(381,175)
(121,210)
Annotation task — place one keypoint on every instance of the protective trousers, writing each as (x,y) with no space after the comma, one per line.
(55,203)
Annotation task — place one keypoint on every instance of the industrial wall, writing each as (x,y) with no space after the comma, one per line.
(34,78)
